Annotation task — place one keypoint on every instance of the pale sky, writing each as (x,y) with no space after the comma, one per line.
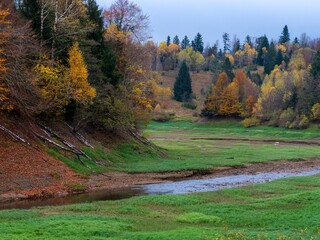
(236,17)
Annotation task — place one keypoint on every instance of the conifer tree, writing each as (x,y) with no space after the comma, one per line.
(182,87)
(176,40)
(279,57)
(226,42)
(227,68)
(270,59)
(168,40)
(185,42)
(285,36)
(197,43)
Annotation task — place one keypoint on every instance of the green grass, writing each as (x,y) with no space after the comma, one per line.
(283,209)
(186,153)
(228,129)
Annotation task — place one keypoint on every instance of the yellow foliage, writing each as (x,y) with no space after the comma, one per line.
(78,75)
(282,48)
(4,91)
(231,59)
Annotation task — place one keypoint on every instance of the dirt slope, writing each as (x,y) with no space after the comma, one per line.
(28,171)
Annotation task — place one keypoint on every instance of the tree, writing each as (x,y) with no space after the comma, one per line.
(214,99)
(262,48)
(4,91)
(185,42)
(176,40)
(279,57)
(197,43)
(226,42)
(129,19)
(194,60)
(227,68)
(168,40)
(270,59)
(182,86)
(78,75)
(285,36)
(315,66)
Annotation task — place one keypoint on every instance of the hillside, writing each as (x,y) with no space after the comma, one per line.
(201,82)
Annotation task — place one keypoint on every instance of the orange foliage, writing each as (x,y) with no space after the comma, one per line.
(4,91)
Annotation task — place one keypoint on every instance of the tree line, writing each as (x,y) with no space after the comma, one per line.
(71,60)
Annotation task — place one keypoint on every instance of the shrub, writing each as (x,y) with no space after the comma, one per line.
(162,117)
(316,111)
(190,105)
(251,122)
(286,118)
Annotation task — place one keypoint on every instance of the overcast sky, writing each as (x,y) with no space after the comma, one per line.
(237,17)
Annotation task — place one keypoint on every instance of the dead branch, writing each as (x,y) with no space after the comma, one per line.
(15,136)
(78,136)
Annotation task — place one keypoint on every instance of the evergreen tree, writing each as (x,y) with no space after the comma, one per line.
(226,42)
(176,40)
(270,59)
(296,41)
(95,16)
(248,40)
(185,42)
(285,36)
(227,68)
(182,87)
(262,43)
(168,40)
(315,66)
(197,43)
(279,57)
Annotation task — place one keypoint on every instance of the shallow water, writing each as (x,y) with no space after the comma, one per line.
(178,187)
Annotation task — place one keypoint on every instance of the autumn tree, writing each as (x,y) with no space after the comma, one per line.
(214,99)
(4,91)
(194,59)
(182,86)
(129,18)
(59,85)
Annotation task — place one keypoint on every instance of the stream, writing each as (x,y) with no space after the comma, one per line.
(176,187)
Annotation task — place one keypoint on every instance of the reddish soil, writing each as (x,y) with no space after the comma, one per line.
(27,171)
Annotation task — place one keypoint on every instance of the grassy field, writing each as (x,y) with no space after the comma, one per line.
(284,209)
(186,153)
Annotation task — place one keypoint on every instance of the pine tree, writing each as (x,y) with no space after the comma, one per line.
(315,66)
(185,42)
(227,68)
(182,87)
(279,57)
(176,40)
(168,40)
(262,45)
(197,43)
(226,42)
(270,59)
(285,36)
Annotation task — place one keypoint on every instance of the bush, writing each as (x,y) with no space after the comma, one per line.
(190,105)
(251,122)
(316,111)
(300,122)
(286,118)
(162,117)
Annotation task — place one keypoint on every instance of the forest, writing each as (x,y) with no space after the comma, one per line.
(74,61)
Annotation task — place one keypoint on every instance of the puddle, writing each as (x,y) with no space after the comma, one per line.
(178,187)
